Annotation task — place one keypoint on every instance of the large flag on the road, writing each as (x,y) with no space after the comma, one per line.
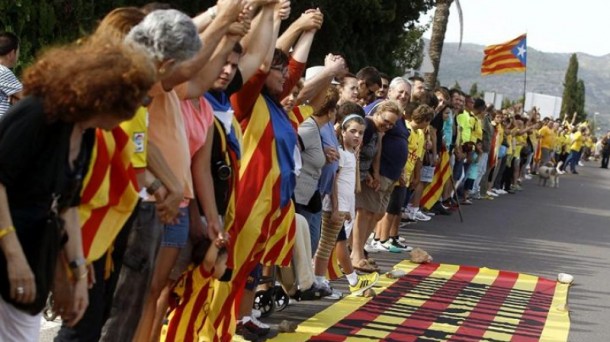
(433,191)
(441,302)
(510,56)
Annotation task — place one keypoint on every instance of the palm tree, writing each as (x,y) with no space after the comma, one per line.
(439,27)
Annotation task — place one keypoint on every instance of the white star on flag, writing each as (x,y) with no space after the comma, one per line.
(521,50)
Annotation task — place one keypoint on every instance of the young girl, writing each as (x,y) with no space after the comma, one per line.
(340,205)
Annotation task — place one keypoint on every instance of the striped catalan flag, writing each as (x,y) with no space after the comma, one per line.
(433,191)
(510,56)
(442,302)
(109,194)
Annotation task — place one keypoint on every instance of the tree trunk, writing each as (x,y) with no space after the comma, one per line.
(435,50)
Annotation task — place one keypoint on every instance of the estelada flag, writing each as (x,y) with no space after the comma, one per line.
(506,57)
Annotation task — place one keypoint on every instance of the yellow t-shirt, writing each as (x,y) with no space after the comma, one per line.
(137,130)
(509,140)
(520,142)
(577,140)
(547,137)
(477,132)
(465,125)
(414,148)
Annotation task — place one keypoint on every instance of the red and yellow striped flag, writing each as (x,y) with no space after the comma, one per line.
(109,194)
(510,56)
(433,191)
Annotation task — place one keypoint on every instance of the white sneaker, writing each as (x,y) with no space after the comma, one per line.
(501,192)
(372,247)
(492,194)
(580,163)
(528,176)
(419,216)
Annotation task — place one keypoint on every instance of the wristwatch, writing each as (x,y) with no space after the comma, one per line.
(77,263)
(153,187)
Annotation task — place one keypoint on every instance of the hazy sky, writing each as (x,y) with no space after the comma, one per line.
(551,25)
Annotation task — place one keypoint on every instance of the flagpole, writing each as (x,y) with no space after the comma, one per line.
(525,75)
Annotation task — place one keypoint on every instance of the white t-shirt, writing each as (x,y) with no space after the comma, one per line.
(346,184)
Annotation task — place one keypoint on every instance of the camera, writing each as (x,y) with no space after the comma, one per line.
(223,171)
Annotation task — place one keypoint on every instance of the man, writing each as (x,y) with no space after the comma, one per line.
(547,137)
(369,82)
(417,89)
(394,154)
(605,150)
(382,93)
(10,87)
(484,123)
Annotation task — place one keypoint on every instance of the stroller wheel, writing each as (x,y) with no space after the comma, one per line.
(281,299)
(263,301)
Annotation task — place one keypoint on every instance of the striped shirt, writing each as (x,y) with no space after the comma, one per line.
(9,85)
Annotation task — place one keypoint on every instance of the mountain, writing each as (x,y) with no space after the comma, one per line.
(545,74)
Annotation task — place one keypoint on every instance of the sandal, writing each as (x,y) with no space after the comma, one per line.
(364,266)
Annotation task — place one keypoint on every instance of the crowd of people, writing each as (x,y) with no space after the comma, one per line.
(155,171)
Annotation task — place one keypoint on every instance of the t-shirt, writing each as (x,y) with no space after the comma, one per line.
(547,137)
(9,85)
(137,130)
(168,133)
(197,121)
(465,126)
(346,184)
(437,123)
(477,131)
(313,160)
(413,147)
(327,177)
(577,140)
(368,148)
(394,151)
(488,133)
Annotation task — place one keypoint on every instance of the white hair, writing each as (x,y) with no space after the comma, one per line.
(166,34)
(399,80)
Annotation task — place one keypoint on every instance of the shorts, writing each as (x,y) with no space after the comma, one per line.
(176,235)
(397,200)
(342,236)
(375,201)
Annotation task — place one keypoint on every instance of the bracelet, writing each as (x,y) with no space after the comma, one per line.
(76,263)
(5,231)
(153,187)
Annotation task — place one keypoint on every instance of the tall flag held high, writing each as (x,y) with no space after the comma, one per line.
(510,56)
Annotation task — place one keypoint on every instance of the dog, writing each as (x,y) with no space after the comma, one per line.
(548,172)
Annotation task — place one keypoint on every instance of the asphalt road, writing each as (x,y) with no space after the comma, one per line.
(540,231)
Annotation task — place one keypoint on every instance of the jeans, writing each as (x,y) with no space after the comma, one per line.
(89,328)
(482,165)
(572,160)
(136,274)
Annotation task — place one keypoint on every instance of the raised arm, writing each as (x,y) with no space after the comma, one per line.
(257,42)
(312,19)
(228,11)
(315,88)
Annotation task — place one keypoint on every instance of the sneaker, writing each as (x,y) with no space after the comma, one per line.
(365,282)
(389,247)
(259,323)
(439,209)
(428,213)
(501,191)
(574,172)
(528,177)
(400,245)
(466,202)
(419,216)
(580,163)
(492,194)
(488,197)
(372,247)
(406,217)
(477,196)
(247,327)
(400,239)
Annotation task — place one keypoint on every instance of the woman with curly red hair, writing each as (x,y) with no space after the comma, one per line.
(45,145)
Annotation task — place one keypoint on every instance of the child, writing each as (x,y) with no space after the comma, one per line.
(340,205)
(187,315)
(473,171)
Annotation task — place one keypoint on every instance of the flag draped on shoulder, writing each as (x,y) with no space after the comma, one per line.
(433,191)
(510,56)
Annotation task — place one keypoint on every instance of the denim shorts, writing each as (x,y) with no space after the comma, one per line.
(176,235)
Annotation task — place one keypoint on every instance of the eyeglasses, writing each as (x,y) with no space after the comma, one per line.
(282,69)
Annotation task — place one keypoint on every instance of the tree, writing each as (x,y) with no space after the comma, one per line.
(437,38)
(457,86)
(382,33)
(474,90)
(573,100)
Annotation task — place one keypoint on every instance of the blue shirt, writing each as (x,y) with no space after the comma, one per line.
(394,150)
(327,178)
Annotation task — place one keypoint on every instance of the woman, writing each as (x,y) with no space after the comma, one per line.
(45,145)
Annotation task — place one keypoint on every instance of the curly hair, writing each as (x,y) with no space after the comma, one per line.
(77,82)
